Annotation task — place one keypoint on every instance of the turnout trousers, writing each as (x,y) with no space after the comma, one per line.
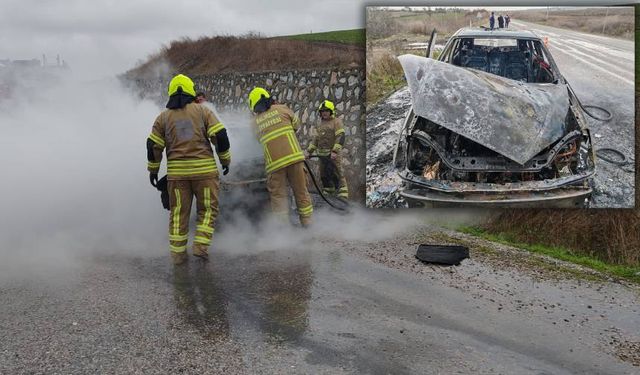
(332,177)
(277,184)
(181,193)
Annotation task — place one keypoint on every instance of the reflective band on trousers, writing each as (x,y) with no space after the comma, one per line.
(202,228)
(178,238)
(202,240)
(176,214)
(207,206)
(306,211)
(191,167)
(178,249)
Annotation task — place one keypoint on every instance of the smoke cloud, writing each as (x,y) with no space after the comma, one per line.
(76,185)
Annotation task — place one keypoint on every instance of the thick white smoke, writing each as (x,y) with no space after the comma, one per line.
(75,182)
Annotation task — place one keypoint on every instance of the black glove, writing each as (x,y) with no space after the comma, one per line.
(153,178)
(225,169)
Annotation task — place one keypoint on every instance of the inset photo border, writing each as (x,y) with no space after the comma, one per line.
(500,107)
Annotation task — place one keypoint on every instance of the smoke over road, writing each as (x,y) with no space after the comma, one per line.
(76,183)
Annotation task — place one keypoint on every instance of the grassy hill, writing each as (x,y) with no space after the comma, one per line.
(355,36)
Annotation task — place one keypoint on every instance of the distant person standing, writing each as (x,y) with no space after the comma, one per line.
(492,21)
(507,19)
(200,97)
(500,21)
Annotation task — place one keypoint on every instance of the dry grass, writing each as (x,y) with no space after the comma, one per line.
(609,235)
(619,21)
(384,76)
(251,53)
(389,31)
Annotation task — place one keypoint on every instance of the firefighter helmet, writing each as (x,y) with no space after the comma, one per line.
(184,82)
(327,106)
(256,95)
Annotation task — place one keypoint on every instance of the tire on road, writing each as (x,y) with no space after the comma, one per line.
(442,254)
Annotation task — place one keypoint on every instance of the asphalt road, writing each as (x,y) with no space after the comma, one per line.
(602,72)
(325,303)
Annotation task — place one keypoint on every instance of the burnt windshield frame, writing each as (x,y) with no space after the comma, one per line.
(534,44)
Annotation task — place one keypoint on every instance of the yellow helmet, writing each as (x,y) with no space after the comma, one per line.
(255,95)
(327,105)
(184,82)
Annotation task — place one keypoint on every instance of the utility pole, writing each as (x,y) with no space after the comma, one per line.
(605,21)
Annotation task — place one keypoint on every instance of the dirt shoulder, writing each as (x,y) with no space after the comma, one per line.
(511,281)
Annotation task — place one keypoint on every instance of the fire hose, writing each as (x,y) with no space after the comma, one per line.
(584,107)
(619,159)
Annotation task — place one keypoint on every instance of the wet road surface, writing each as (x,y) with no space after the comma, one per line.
(324,305)
(601,70)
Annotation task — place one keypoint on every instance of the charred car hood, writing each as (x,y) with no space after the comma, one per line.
(513,118)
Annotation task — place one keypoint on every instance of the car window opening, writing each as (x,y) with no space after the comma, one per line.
(519,59)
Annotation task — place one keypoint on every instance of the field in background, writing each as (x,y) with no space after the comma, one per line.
(356,36)
(614,21)
(390,33)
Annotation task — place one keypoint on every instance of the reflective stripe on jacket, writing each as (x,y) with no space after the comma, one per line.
(276,132)
(187,134)
(329,137)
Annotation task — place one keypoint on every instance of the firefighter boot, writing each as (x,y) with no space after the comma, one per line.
(179,258)
(201,251)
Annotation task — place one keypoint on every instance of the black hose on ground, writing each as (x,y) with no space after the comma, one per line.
(622,159)
(315,183)
(584,108)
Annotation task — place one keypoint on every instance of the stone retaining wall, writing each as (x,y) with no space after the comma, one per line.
(302,91)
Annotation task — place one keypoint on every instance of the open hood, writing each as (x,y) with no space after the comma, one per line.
(513,118)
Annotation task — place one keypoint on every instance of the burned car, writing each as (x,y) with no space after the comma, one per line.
(493,123)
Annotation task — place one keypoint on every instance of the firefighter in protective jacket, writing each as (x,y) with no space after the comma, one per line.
(275,125)
(327,144)
(186,131)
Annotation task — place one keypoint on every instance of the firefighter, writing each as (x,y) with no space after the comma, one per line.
(327,144)
(186,130)
(200,97)
(275,126)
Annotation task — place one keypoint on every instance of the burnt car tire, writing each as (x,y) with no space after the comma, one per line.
(442,254)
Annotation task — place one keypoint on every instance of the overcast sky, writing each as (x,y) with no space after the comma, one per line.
(100,38)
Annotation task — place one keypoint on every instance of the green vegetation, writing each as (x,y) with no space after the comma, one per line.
(384,77)
(625,272)
(355,36)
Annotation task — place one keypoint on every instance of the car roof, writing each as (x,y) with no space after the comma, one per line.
(481,32)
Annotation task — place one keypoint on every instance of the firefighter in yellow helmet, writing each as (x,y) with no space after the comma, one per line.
(186,131)
(275,125)
(327,144)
